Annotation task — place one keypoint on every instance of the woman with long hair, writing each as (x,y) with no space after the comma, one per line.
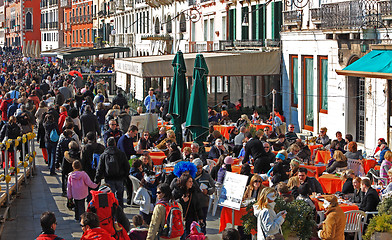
(340,161)
(189,201)
(268,222)
(253,190)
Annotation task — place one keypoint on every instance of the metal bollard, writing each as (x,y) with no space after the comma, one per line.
(23,160)
(7,177)
(33,152)
(15,169)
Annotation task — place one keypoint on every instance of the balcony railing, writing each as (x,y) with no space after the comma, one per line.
(112,40)
(342,15)
(119,40)
(385,9)
(128,39)
(191,2)
(316,15)
(203,46)
(66,3)
(292,18)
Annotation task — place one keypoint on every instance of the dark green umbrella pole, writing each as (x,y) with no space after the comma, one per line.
(197,117)
(179,96)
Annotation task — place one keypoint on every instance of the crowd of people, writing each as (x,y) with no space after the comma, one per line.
(87,138)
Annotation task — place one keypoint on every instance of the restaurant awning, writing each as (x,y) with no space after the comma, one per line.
(219,64)
(90,51)
(376,64)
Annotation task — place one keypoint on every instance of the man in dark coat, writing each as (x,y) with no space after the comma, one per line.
(89,122)
(254,147)
(66,168)
(114,167)
(119,99)
(370,198)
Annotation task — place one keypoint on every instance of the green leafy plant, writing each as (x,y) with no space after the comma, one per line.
(385,206)
(299,219)
(379,223)
(249,221)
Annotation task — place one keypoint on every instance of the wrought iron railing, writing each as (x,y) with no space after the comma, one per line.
(342,15)
(293,17)
(315,14)
(385,8)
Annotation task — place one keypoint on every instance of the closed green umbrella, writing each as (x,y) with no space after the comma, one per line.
(179,96)
(197,117)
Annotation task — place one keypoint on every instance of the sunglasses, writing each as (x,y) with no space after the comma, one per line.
(266,147)
(257,181)
(159,192)
(145,134)
(81,225)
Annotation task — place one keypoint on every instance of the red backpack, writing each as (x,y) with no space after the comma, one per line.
(174,226)
(105,206)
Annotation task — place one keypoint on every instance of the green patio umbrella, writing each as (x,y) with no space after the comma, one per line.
(179,96)
(197,117)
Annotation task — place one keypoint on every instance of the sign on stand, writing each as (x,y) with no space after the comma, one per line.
(233,189)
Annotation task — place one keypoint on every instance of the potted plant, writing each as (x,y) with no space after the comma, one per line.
(299,221)
(380,226)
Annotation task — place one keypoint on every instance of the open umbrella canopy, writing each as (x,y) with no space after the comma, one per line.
(197,117)
(179,96)
(73,72)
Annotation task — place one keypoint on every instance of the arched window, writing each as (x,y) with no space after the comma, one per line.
(29,21)
(157,26)
(182,23)
(168,24)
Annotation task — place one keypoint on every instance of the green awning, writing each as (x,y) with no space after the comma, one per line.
(91,51)
(376,64)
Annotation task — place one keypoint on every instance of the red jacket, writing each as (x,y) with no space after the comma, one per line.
(62,117)
(96,234)
(44,236)
(4,107)
(35,99)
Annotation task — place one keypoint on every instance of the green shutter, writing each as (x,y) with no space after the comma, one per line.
(254,23)
(324,82)
(276,23)
(309,115)
(262,22)
(295,80)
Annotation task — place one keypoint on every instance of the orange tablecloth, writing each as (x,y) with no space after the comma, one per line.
(322,156)
(315,170)
(224,130)
(369,164)
(261,126)
(331,183)
(237,168)
(345,207)
(157,157)
(227,217)
(312,147)
(188,144)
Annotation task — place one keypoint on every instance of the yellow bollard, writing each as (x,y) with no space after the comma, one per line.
(25,164)
(7,178)
(17,170)
(24,139)
(30,159)
(34,153)
(16,142)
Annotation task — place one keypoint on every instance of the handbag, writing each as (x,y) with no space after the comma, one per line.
(70,204)
(276,235)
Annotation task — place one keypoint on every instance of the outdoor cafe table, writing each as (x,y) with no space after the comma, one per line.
(315,170)
(157,157)
(261,126)
(322,156)
(313,147)
(344,206)
(224,130)
(227,217)
(369,164)
(331,183)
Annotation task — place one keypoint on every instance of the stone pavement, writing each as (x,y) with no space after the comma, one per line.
(43,193)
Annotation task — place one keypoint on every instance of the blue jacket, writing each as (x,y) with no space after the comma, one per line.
(382,153)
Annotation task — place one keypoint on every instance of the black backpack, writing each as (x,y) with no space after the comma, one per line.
(112,166)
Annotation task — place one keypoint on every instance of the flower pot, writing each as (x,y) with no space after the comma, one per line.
(381,236)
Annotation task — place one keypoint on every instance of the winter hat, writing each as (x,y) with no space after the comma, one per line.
(280,156)
(195,229)
(197,162)
(229,160)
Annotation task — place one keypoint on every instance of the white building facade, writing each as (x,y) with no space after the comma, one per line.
(319,39)
(50,31)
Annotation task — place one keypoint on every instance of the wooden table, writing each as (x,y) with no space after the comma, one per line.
(261,126)
(224,130)
(331,183)
(316,170)
(322,156)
